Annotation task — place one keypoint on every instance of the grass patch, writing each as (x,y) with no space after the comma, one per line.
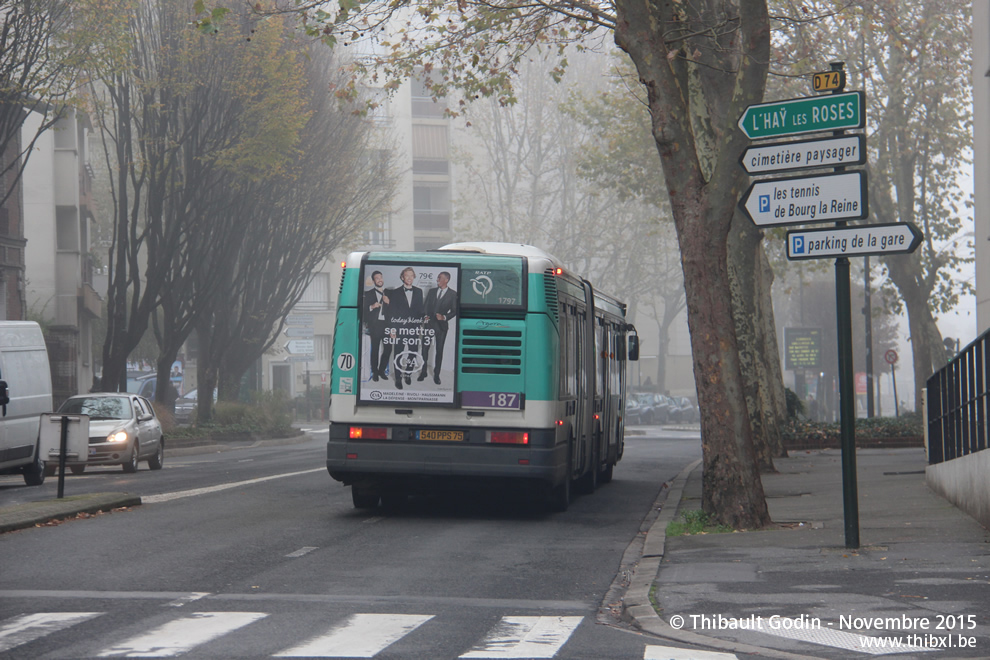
(695,521)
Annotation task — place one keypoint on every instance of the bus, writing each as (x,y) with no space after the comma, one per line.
(474,365)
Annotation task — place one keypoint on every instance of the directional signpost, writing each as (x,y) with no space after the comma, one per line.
(800,200)
(303,349)
(839,196)
(861,240)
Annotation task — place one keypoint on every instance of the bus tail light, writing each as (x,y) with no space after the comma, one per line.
(510,437)
(369,433)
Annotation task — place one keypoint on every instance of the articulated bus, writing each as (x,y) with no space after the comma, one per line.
(473,365)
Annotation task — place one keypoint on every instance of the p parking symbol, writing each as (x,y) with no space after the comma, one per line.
(797,244)
(764,203)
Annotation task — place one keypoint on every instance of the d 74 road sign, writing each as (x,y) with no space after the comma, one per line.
(860,241)
(801,200)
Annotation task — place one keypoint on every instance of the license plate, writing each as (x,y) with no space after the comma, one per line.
(448,436)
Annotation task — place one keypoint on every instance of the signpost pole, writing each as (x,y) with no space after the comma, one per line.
(847,388)
(847,402)
(868,319)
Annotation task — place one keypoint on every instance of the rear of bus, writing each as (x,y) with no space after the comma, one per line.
(484,414)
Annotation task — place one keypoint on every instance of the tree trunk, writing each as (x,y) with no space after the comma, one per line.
(775,375)
(927,349)
(748,295)
(206,375)
(696,89)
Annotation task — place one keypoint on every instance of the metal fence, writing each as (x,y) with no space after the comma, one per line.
(959,404)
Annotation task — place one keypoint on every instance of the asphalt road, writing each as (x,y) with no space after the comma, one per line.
(256,553)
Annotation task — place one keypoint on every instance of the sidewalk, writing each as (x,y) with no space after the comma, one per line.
(796,591)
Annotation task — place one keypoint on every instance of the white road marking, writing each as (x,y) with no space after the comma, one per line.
(360,636)
(179,494)
(301,551)
(29,627)
(182,635)
(793,629)
(188,598)
(672,653)
(526,637)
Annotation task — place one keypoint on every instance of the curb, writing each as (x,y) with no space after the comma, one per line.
(36,513)
(637,603)
(192,450)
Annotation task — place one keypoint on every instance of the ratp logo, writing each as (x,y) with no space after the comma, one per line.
(482,285)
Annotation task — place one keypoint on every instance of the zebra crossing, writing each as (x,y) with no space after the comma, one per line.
(358,635)
(361,635)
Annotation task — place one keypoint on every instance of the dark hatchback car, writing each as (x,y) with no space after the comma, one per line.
(123,430)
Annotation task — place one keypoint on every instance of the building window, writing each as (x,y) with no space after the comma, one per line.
(380,234)
(323,347)
(66,229)
(423,104)
(317,295)
(431,207)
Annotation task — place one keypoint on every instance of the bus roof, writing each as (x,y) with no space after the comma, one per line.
(509,249)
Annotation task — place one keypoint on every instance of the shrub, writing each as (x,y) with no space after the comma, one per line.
(795,406)
(695,521)
(905,426)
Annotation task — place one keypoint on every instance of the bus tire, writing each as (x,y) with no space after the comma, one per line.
(364,498)
(605,476)
(560,496)
(589,480)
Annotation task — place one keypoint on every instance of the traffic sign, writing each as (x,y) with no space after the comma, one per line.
(298,332)
(299,346)
(890,357)
(812,114)
(299,319)
(299,358)
(828,81)
(804,154)
(860,240)
(800,200)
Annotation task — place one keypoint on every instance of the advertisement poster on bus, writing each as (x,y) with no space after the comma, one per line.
(409,315)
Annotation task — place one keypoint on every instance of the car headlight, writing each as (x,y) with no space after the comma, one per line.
(117,436)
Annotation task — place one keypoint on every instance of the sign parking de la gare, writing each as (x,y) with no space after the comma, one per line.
(813,114)
(860,240)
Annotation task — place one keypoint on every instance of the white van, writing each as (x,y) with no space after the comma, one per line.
(25,393)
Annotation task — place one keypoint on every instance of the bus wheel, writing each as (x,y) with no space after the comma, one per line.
(605,475)
(559,497)
(589,480)
(364,498)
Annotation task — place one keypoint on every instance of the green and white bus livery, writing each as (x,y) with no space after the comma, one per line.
(477,364)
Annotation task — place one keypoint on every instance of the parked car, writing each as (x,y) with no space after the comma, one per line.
(646,408)
(663,408)
(123,430)
(685,411)
(185,406)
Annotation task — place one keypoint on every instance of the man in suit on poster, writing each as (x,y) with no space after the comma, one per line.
(376,316)
(406,310)
(441,307)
